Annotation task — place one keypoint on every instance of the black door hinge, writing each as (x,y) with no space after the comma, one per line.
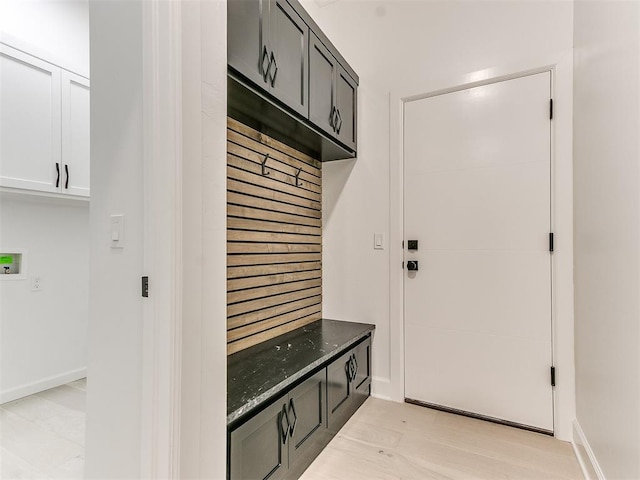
(402,243)
(551,109)
(403,265)
(551,242)
(553,376)
(145,286)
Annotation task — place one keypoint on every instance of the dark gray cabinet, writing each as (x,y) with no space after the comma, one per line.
(281,441)
(348,384)
(332,94)
(268,44)
(258,448)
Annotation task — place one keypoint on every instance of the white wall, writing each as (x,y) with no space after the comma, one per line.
(43,333)
(114,396)
(607,232)
(391,45)
(55,30)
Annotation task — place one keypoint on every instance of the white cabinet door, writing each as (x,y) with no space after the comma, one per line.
(29,122)
(75,135)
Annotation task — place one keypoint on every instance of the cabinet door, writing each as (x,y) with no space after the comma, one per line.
(362,382)
(288,70)
(258,448)
(322,80)
(346,103)
(339,398)
(29,122)
(247,31)
(308,417)
(75,135)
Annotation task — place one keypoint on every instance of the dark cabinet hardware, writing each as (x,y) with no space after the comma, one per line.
(332,118)
(264,165)
(298,182)
(338,122)
(412,265)
(66,171)
(57,175)
(292,411)
(272,61)
(284,427)
(355,367)
(412,244)
(265,59)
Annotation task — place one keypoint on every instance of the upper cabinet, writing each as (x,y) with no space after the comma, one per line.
(44,126)
(277,52)
(268,44)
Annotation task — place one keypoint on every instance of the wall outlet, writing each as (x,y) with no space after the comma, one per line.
(36,283)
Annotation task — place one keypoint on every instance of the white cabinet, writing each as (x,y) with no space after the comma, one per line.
(44,126)
(75,134)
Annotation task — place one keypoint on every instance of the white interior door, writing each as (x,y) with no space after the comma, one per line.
(477,199)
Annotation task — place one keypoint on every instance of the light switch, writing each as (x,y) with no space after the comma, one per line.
(117,231)
(378,241)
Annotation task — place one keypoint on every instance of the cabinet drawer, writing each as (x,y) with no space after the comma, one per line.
(257,449)
(308,412)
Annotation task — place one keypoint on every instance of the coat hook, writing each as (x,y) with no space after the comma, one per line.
(298,182)
(264,162)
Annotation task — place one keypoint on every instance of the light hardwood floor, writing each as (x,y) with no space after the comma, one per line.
(386,440)
(42,436)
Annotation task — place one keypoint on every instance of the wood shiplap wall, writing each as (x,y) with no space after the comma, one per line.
(274,238)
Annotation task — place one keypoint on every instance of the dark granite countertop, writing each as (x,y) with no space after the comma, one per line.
(260,373)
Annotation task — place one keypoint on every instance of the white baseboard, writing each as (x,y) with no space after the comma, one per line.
(41,385)
(586,458)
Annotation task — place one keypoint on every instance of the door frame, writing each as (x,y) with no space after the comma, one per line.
(183,353)
(561,68)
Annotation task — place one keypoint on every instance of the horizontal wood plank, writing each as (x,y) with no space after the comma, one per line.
(235,185)
(235,170)
(257,327)
(261,270)
(285,165)
(238,284)
(266,313)
(275,227)
(266,215)
(272,259)
(270,237)
(258,338)
(266,303)
(270,289)
(244,200)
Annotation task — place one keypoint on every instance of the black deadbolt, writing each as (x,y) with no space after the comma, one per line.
(412,265)
(412,244)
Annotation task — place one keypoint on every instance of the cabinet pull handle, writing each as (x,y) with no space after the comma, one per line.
(347,369)
(265,58)
(355,363)
(275,72)
(292,409)
(338,121)
(331,118)
(66,171)
(284,429)
(57,174)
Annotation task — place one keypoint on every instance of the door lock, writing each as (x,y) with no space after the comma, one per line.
(412,265)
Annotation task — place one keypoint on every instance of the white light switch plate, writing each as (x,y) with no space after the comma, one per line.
(117,231)
(378,241)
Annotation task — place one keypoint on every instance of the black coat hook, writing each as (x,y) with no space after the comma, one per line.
(298,182)
(264,163)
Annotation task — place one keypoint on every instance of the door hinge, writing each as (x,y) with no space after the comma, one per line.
(551,109)
(553,376)
(551,241)
(145,286)
(403,244)
(403,265)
